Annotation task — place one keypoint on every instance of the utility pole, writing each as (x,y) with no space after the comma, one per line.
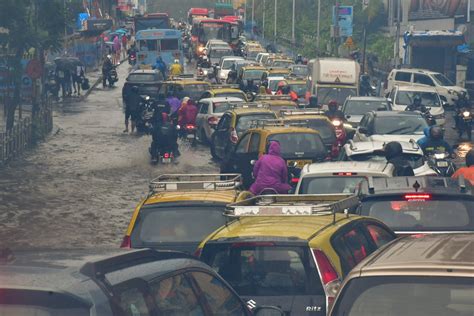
(293,41)
(397,37)
(245,14)
(275,23)
(317,30)
(263,24)
(253,15)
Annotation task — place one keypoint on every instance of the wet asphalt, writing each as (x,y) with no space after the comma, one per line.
(78,189)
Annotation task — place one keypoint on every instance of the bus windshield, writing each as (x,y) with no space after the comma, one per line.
(213,31)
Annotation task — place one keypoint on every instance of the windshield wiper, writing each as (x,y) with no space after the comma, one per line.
(398,130)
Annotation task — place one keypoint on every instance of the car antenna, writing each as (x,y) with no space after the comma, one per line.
(416,186)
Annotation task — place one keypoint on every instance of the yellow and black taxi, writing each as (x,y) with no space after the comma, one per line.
(224,91)
(275,72)
(292,251)
(276,103)
(180,210)
(316,120)
(185,87)
(233,123)
(299,146)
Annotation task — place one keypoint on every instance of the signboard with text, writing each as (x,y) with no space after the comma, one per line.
(345,16)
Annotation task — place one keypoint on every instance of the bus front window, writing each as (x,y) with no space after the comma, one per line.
(148,45)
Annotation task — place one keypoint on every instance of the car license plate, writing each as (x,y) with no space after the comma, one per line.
(190,136)
(166,160)
(442,164)
(299,163)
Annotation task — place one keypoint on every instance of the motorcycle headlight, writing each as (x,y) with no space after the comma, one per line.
(466,113)
(336,123)
(204,72)
(200,49)
(440,156)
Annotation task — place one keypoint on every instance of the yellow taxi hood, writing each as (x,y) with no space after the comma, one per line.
(223,197)
(302,227)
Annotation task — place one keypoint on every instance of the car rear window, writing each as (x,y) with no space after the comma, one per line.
(176,224)
(330,185)
(355,107)
(244,122)
(221,107)
(300,145)
(193,91)
(400,125)
(143,77)
(430,99)
(40,303)
(239,95)
(325,129)
(406,295)
(412,213)
(415,161)
(264,269)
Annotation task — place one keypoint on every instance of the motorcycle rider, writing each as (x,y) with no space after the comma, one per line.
(132,51)
(434,142)
(365,86)
(313,102)
(106,68)
(333,112)
(468,171)
(293,95)
(271,172)
(160,66)
(131,99)
(299,59)
(394,155)
(462,103)
(280,87)
(416,105)
(205,63)
(211,78)
(187,114)
(176,69)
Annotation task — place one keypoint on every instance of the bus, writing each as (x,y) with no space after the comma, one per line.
(152,21)
(197,13)
(223,9)
(154,43)
(208,29)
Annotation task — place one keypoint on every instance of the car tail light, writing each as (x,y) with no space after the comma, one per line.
(166,155)
(190,126)
(234,138)
(213,120)
(198,252)
(417,197)
(295,180)
(126,242)
(344,174)
(329,276)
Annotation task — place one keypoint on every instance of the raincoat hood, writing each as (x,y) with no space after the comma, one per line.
(392,150)
(274,149)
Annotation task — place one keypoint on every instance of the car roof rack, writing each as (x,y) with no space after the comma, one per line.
(224,86)
(290,112)
(244,105)
(278,123)
(182,77)
(291,204)
(189,182)
(269,97)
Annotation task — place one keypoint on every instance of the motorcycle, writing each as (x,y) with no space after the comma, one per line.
(143,123)
(464,123)
(164,156)
(202,73)
(188,132)
(441,163)
(132,59)
(113,76)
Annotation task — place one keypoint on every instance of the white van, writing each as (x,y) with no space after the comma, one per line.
(408,76)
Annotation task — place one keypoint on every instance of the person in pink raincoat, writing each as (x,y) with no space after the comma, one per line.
(117,49)
(271,172)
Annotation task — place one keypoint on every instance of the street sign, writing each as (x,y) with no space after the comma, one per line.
(345,18)
(34,69)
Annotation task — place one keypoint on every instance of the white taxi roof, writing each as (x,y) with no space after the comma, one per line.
(358,148)
(222,99)
(363,168)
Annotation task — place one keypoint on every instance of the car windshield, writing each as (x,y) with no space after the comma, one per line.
(228,63)
(252,53)
(264,270)
(422,215)
(400,125)
(142,77)
(300,70)
(253,74)
(299,88)
(300,145)
(329,185)
(193,91)
(239,95)
(430,99)
(272,84)
(356,107)
(218,53)
(406,295)
(415,160)
(282,64)
(221,107)
(325,129)
(175,224)
(442,80)
(245,122)
(326,94)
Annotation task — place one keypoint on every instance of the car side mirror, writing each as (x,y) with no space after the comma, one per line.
(268,311)
(445,104)
(363,130)
(348,116)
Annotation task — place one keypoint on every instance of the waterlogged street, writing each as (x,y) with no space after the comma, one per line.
(78,189)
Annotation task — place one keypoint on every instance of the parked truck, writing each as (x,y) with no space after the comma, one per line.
(333,79)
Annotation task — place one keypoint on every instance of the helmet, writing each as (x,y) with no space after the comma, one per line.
(417,98)
(470,158)
(436,133)
(176,61)
(286,89)
(281,84)
(332,104)
(393,149)
(299,56)
(109,57)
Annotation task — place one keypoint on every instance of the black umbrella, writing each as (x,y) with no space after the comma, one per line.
(67,63)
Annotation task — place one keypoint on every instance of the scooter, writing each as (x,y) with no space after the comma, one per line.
(143,123)
(464,123)
(132,59)
(188,132)
(113,76)
(441,164)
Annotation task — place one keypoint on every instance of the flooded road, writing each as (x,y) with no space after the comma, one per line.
(79,188)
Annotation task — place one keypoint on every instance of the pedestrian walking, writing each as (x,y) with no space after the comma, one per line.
(68,81)
(117,49)
(124,46)
(77,79)
(61,81)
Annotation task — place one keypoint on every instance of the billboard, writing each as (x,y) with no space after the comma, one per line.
(436,9)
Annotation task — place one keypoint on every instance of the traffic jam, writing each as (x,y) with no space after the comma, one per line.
(329,195)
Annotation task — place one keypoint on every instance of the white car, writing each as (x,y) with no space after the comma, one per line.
(224,67)
(339,177)
(216,53)
(260,56)
(210,112)
(374,151)
(402,96)
(386,126)
(446,89)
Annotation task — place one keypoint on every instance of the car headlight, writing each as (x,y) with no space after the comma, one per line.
(204,72)
(466,113)
(200,49)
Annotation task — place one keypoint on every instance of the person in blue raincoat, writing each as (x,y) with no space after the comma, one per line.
(161,66)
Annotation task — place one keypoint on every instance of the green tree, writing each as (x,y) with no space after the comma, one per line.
(34,25)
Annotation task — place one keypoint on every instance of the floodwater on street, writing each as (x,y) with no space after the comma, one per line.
(79,188)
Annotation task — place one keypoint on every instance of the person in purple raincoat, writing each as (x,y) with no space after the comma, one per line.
(270,172)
